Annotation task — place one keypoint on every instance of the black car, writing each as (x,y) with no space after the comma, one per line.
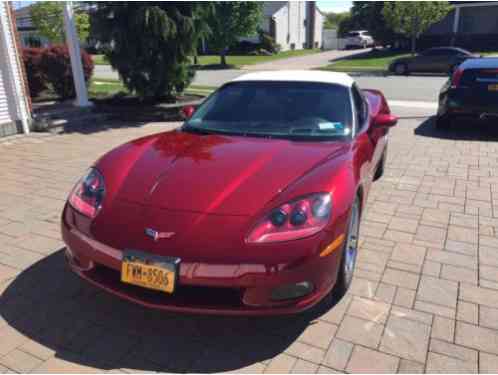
(471,92)
(434,60)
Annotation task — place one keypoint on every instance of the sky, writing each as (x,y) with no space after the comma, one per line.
(334,6)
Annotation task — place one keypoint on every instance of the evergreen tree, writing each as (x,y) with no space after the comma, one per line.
(149,43)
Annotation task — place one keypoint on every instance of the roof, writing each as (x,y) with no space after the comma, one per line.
(481,63)
(299,76)
(272,7)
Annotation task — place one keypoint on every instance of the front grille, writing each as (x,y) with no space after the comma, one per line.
(184,295)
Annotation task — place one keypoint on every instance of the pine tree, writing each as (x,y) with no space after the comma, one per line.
(149,43)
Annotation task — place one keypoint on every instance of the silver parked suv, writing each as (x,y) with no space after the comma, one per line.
(359,39)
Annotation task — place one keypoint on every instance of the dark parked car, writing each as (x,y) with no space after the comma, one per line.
(471,92)
(434,60)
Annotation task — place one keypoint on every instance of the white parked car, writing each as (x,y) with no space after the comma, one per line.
(359,38)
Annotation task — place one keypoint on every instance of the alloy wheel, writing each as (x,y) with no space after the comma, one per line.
(351,250)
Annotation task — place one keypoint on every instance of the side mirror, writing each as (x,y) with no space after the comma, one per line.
(188,111)
(383,120)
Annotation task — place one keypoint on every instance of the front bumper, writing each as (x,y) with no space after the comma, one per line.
(234,289)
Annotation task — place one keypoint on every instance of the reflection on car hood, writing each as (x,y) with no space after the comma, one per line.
(217,174)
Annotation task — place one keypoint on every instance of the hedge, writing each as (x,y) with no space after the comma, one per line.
(51,67)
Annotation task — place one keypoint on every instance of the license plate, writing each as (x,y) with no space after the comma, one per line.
(492,87)
(149,271)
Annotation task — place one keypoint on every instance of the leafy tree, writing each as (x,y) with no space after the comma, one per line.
(231,20)
(149,43)
(202,31)
(332,20)
(369,15)
(412,18)
(345,25)
(47,17)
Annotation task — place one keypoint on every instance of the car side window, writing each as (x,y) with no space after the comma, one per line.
(450,52)
(361,109)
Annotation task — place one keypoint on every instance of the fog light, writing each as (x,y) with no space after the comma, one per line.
(291,291)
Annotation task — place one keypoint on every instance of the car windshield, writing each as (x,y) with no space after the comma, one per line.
(276,109)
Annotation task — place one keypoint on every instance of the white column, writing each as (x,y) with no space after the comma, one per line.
(73,45)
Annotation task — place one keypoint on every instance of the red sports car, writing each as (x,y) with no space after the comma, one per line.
(252,207)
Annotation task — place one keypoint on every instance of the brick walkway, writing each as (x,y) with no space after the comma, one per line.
(424,298)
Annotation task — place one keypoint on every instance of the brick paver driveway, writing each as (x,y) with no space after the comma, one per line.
(424,298)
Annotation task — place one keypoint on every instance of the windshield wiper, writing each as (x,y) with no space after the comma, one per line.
(299,130)
(195,129)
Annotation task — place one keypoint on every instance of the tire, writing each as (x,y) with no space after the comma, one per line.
(379,172)
(443,122)
(400,69)
(349,252)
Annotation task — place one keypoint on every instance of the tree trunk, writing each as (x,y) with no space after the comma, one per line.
(223,60)
(196,61)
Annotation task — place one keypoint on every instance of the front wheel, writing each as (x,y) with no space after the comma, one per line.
(400,69)
(349,252)
(379,172)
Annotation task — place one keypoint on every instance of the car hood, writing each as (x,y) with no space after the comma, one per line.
(215,174)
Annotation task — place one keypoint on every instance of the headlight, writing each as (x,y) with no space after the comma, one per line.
(88,194)
(297,219)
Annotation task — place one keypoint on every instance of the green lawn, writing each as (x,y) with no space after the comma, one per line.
(238,61)
(100,88)
(99,60)
(233,61)
(373,61)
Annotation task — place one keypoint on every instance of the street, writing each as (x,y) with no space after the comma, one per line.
(416,88)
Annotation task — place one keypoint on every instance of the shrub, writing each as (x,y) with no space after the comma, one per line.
(268,43)
(36,79)
(56,66)
(244,47)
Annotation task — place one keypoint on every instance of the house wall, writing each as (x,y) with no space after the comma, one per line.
(477,29)
(14,104)
(473,20)
(290,25)
(479,20)
(319,20)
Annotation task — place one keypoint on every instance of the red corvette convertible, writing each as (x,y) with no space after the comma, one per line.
(252,207)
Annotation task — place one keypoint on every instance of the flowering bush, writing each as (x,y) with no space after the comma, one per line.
(36,79)
(56,67)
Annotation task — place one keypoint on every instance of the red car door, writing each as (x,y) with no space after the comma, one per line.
(367,142)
